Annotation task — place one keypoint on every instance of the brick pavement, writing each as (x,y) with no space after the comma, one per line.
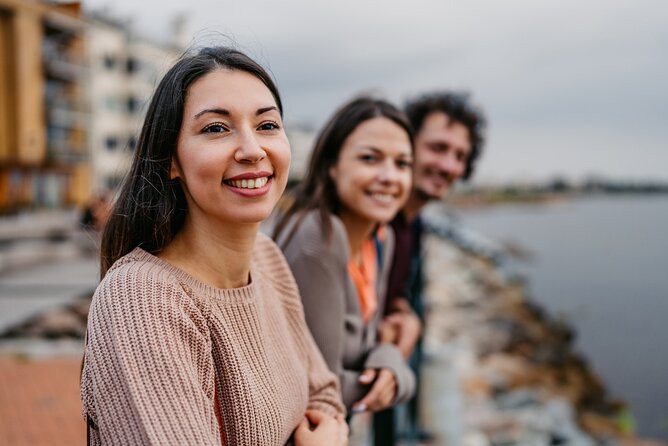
(39,402)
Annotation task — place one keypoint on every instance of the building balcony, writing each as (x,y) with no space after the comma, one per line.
(67,118)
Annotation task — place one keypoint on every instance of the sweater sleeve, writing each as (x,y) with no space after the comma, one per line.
(148,360)
(322,293)
(323,386)
(324,392)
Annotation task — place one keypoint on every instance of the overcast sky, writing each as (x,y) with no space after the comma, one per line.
(570,87)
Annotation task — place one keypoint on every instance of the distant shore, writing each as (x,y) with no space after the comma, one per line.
(481,198)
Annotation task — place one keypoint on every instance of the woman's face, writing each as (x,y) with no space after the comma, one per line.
(232,154)
(373,172)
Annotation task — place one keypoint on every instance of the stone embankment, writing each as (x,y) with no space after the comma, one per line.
(514,375)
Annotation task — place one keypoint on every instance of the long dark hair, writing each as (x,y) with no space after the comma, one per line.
(317,190)
(151,208)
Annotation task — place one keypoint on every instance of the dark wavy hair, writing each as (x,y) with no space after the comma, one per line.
(458,107)
(317,190)
(151,208)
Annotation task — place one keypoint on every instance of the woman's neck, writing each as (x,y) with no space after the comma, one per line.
(217,254)
(358,230)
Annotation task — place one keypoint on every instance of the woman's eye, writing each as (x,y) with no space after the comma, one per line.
(404,164)
(368,158)
(270,125)
(215,128)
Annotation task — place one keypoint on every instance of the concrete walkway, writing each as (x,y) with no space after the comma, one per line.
(34,289)
(39,402)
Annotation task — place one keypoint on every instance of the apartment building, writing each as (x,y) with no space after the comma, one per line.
(124,71)
(43,106)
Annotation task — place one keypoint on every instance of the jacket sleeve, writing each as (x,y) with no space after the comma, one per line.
(149,365)
(322,292)
(388,356)
(322,296)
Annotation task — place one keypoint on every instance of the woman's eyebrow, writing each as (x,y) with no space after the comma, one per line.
(265,110)
(217,111)
(225,112)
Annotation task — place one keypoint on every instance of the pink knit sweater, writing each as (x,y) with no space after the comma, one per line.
(159,341)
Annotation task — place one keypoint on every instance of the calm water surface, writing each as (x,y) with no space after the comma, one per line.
(603,264)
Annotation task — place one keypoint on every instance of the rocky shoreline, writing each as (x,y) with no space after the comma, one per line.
(519,379)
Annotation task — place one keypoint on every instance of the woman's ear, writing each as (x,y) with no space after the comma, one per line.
(174,170)
(333,172)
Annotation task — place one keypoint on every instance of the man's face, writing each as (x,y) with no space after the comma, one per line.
(442,150)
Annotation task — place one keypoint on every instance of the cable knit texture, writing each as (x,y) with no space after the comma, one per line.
(159,341)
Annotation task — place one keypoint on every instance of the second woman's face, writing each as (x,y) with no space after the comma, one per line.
(232,155)
(373,172)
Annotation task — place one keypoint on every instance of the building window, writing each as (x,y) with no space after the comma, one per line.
(133,104)
(132,65)
(132,143)
(109,62)
(111,142)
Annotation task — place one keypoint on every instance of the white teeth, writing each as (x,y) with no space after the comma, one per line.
(386,198)
(249,184)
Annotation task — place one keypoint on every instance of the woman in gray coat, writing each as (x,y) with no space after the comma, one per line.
(335,241)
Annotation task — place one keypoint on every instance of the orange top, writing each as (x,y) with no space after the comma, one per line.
(363,276)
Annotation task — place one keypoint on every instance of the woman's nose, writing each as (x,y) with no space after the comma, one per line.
(249,150)
(388,172)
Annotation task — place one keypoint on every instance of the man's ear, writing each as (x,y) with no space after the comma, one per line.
(174,170)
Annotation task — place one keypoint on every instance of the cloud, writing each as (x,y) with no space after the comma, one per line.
(594,68)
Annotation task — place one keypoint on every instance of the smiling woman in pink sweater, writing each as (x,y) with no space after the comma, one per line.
(196,333)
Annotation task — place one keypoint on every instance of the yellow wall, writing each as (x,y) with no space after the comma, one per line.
(24,160)
(7,126)
(31,131)
(79,189)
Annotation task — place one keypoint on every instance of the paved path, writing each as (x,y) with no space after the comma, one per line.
(39,402)
(34,289)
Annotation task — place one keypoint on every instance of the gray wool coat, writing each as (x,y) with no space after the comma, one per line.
(332,309)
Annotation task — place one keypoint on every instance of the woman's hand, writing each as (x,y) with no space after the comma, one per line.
(387,332)
(325,430)
(382,392)
(407,329)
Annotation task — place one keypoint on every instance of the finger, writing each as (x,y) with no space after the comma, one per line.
(401,304)
(344,431)
(388,395)
(394,318)
(370,400)
(406,341)
(367,376)
(386,389)
(315,416)
(303,426)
